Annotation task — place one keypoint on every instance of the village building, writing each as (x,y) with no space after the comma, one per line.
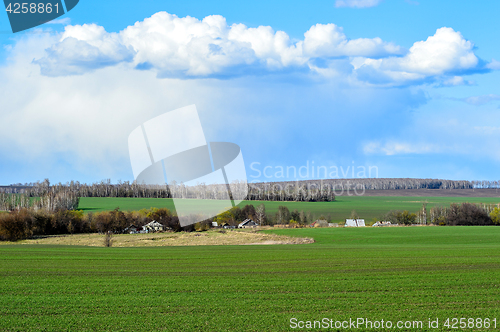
(153,226)
(247,223)
(354,223)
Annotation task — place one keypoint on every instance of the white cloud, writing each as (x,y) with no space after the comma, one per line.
(329,40)
(188,47)
(391,148)
(84,48)
(494,65)
(357,3)
(480,100)
(446,52)
(455,81)
(455,136)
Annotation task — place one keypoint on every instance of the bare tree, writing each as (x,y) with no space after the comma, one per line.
(108,239)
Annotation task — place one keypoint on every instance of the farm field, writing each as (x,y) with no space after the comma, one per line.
(367,207)
(395,274)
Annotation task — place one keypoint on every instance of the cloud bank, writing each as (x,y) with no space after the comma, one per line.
(186,47)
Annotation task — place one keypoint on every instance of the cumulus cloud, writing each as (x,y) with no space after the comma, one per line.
(84,48)
(189,47)
(329,40)
(444,53)
(357,3)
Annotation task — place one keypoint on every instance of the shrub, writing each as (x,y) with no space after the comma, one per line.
(202,226)
(15,225)
(495,216)
(467,214)
(398,217)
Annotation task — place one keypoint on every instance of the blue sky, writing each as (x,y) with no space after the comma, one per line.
(407,87)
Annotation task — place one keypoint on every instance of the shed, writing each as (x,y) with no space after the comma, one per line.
(354,223)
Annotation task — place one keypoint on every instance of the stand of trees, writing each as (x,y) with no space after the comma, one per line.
(49,201)
(465,214)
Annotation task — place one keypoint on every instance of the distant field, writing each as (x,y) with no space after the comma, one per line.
(367,207)
(394,274)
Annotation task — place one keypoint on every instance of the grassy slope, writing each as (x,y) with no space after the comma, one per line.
(393,274)
(367,207)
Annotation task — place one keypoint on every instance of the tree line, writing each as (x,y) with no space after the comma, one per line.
(359,184)
(464,214)
(306,190)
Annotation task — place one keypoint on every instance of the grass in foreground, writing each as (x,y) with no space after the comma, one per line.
(405,273)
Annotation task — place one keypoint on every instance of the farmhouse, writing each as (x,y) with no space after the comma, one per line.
(354,223)
(247,223)
(153,226)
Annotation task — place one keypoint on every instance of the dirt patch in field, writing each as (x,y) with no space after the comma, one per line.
(213,237)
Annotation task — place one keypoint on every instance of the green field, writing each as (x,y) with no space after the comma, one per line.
(396,274)
(367,207)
